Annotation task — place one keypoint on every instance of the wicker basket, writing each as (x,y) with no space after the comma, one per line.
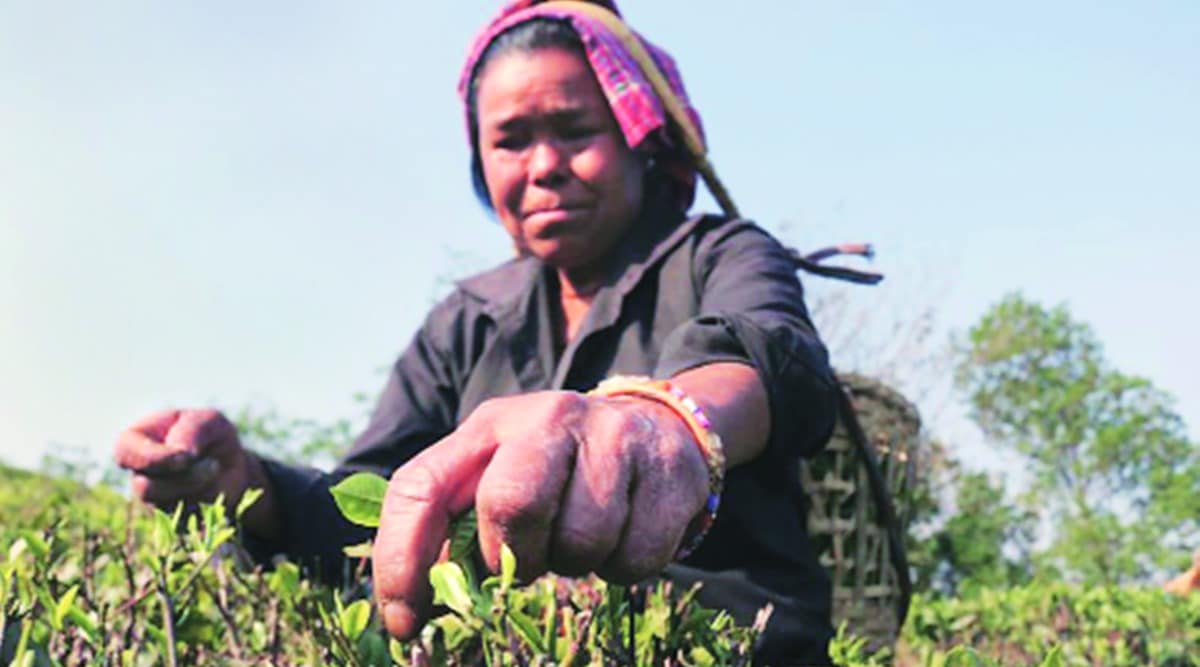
(858,489)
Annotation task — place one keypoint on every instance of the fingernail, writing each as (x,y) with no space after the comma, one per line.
(399,619)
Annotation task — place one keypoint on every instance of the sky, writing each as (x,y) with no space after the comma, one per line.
(255,204)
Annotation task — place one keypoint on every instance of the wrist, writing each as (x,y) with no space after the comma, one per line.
(704,438)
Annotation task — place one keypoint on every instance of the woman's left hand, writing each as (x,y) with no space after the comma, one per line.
(571,483)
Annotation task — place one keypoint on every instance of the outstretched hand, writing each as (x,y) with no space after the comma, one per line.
(571,483)
(193,456)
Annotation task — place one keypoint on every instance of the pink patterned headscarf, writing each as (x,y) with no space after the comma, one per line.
(637,109)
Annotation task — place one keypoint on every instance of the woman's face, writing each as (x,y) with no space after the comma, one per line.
(563,182)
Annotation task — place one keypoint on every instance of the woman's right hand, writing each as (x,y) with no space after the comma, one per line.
(192,456)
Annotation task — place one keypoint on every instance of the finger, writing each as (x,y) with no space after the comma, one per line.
(519,497)
(199,473)
(195,484)
(596,503)
(204,432)
(156,424)
(670,489)
(422,497)
(141,446)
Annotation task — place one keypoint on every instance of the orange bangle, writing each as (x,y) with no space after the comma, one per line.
(707,440)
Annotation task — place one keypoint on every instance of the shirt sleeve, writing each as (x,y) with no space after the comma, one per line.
(751,310)
(417,407)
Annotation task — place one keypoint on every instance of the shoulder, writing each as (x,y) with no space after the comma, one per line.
(498,286)
(482,296)
(463,324)
(717,238)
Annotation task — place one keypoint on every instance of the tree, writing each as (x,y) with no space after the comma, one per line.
(985,542)
(964,532)
(1112,471)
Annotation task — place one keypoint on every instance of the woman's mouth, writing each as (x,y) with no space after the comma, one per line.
(554,215)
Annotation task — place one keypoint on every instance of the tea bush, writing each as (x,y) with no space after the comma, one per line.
(87,577)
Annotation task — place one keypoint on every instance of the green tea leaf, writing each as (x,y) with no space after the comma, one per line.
(65,603)
(455,630)
(450,588)
(462,538)
(250,497)
(221,536)
(85,623)
(1054,658)
(961,656)
(360,498)
(360,550)
(702,658)
(25,659)
(528,631)
(354,618)
(36,543)
(396,650)
(508,568)
(285,580)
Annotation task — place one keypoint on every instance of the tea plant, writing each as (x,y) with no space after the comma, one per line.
(90,578)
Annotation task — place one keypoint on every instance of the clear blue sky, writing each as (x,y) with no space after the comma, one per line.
(255,203)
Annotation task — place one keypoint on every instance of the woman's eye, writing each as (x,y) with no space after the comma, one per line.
(511,142)
(576,132)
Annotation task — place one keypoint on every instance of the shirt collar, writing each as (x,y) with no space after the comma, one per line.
(506,290)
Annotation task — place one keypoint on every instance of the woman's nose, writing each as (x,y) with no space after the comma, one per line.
(547,163)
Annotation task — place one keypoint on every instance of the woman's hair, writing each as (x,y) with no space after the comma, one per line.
(533,35)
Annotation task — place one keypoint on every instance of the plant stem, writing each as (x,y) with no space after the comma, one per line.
(168,610)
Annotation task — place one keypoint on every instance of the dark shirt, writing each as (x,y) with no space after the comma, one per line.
(685,293)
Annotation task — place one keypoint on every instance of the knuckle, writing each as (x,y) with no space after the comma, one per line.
(416,481)
(204,415)
(568,401)
(488,409)
(576,544)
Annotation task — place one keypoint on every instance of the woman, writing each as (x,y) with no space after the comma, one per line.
(496,401)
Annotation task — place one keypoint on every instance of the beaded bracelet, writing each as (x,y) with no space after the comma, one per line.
(707,440)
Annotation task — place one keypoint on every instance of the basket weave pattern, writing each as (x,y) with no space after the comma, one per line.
(843,520)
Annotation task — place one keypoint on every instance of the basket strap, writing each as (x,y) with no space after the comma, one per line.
(883,500)
(680,124)
(678,118)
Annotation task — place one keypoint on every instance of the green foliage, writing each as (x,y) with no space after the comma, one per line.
(1115,627)
(359,498)
(1108,456)
(978,539)
(971,544)
(551,621)
(86,577)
